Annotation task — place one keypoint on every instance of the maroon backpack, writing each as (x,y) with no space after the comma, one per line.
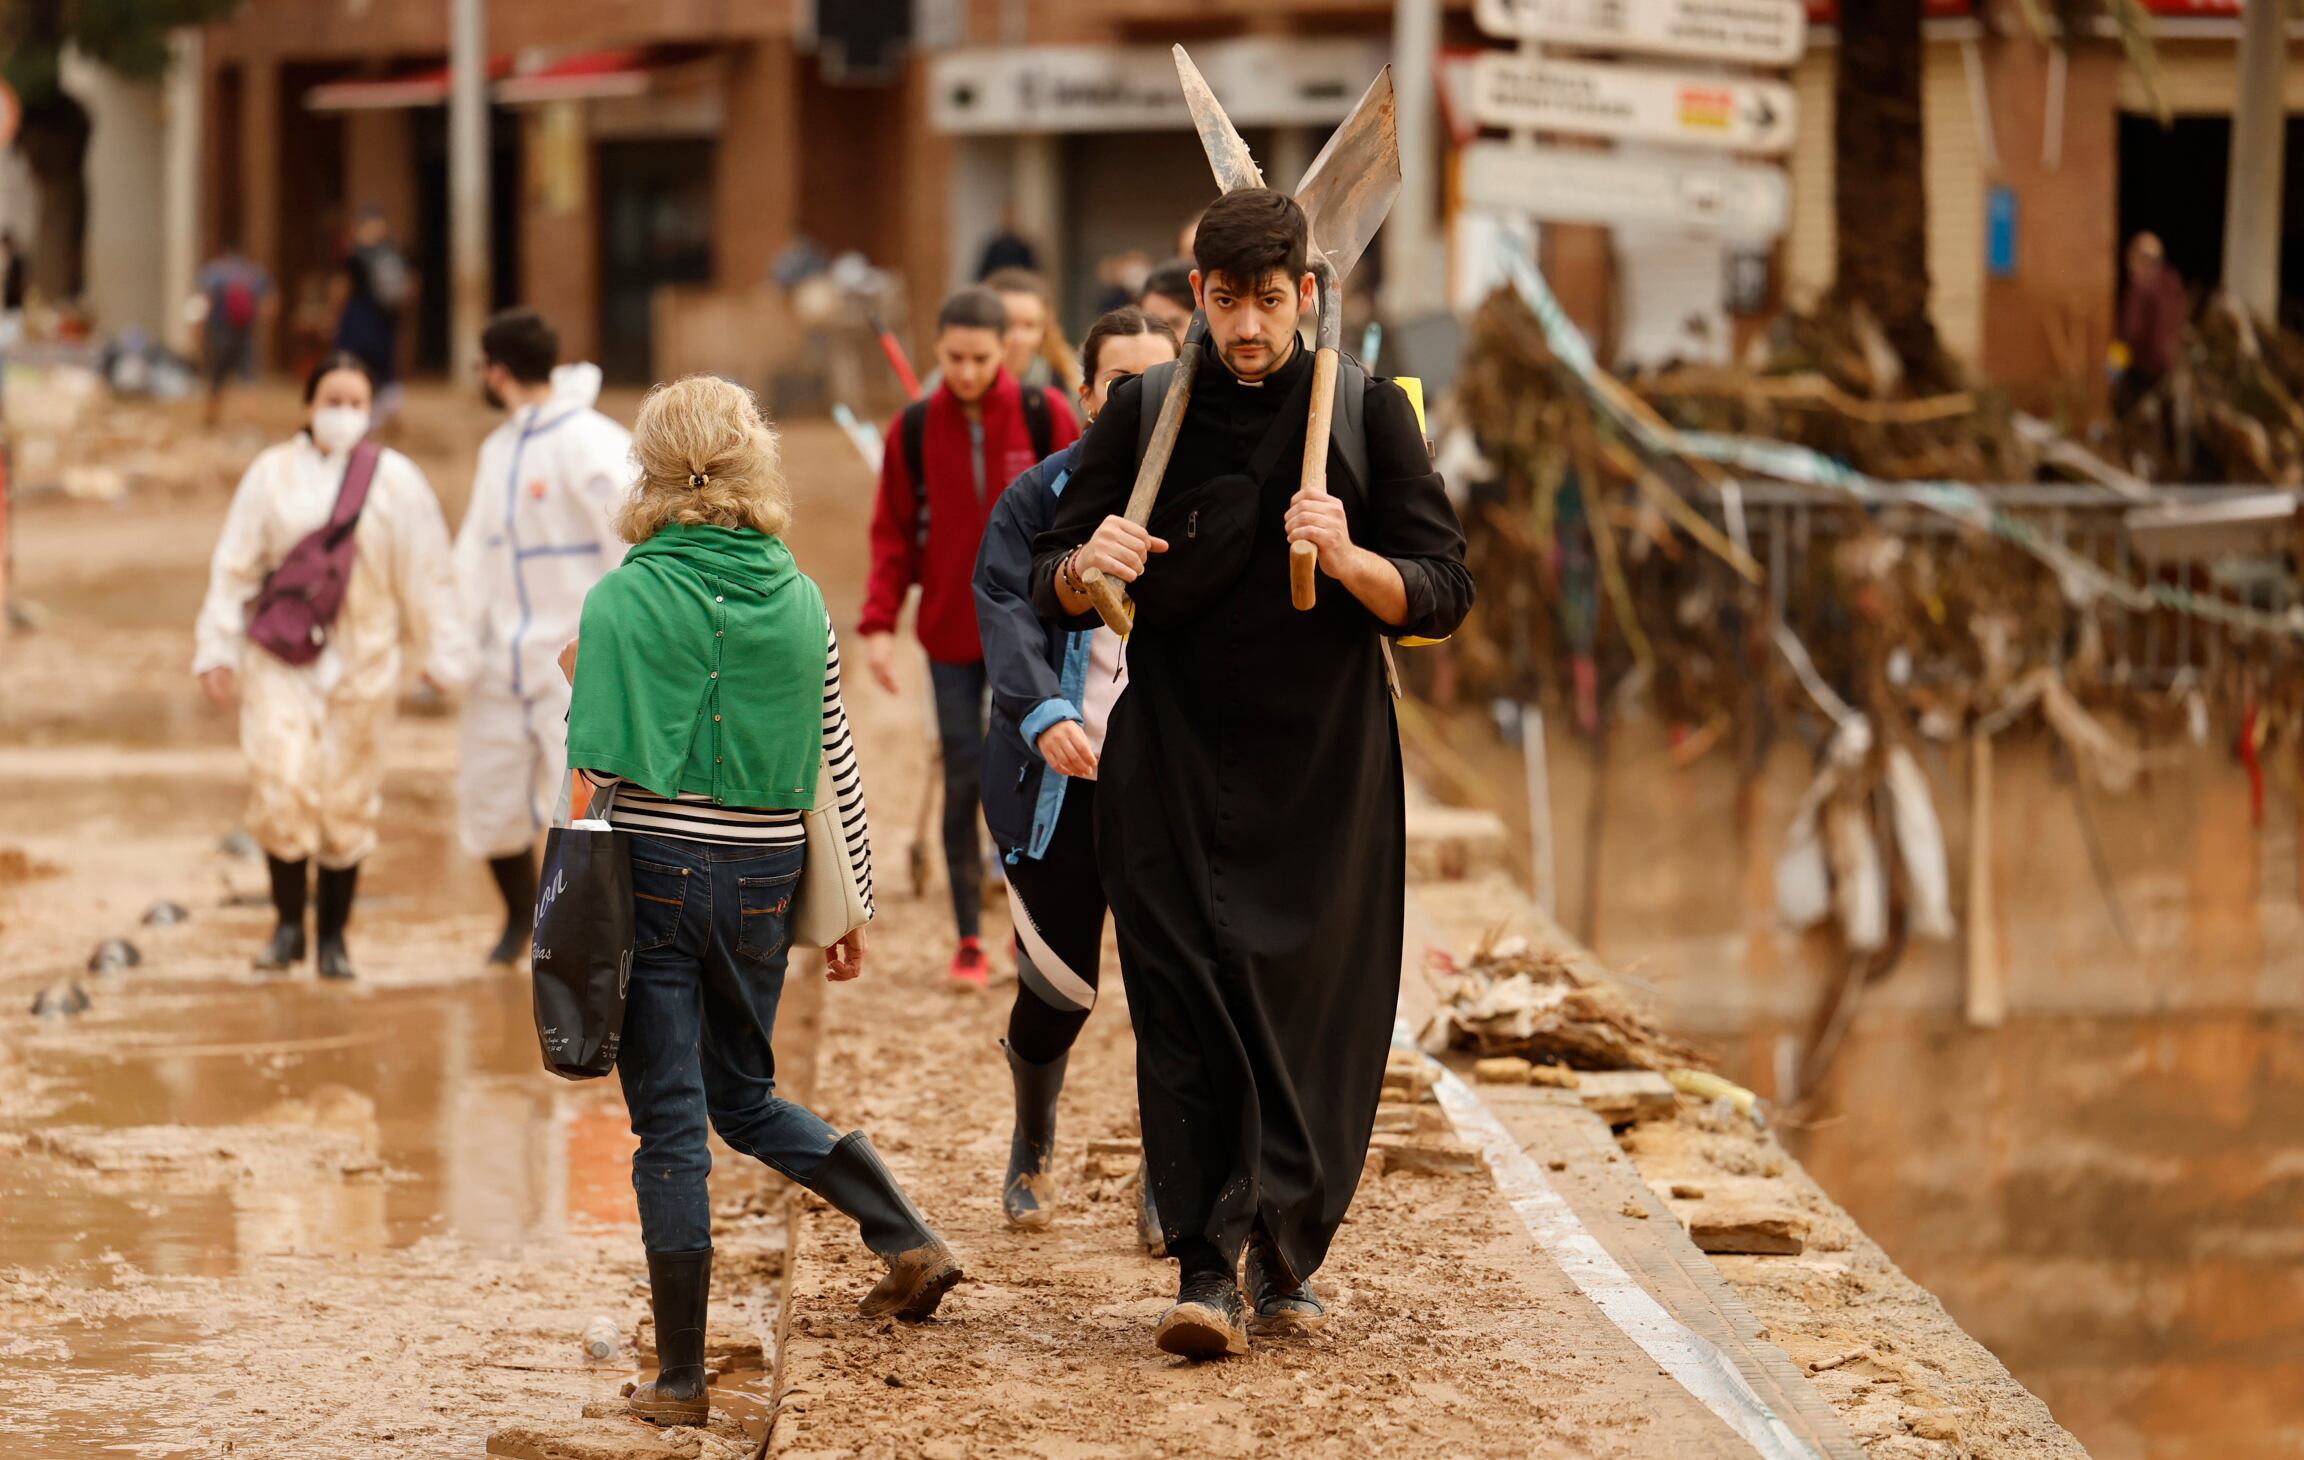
(300,599)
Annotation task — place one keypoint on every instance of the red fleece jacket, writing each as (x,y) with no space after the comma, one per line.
(946,567)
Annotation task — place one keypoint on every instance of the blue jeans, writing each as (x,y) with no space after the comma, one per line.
(712,931)
(960,727)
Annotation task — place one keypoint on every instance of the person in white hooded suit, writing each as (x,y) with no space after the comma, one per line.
(313,732)
(539,532)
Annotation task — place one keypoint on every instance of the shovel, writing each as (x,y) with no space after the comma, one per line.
(1345,194)
(1235,168)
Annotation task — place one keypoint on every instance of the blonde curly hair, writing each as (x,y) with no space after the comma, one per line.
(707,457)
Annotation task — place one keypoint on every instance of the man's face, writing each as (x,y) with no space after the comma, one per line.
(495,383)
(1027,327)
(970,360)
(1253,325)
(1175,312)
(2143,263)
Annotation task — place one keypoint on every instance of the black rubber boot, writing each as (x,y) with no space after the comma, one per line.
(1208,1321)
(1029,1197)
(1285,1308)
(921,1268)
(338,885)
(289,881)
(516,879)
(680,1292)
(1148,1216)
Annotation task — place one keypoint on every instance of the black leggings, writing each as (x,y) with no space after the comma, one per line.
(1058,904)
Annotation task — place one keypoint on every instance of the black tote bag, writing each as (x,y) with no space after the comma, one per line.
(582,952)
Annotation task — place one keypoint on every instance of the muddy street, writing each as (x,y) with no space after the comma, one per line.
(253,1215)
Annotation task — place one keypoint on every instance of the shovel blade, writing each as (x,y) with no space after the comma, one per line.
(1228,156)
(1349,187)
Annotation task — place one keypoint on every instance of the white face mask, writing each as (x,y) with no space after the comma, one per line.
(338,428)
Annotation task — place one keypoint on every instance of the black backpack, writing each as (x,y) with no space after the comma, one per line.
(912,429)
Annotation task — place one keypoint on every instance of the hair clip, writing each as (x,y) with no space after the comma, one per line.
(697,479)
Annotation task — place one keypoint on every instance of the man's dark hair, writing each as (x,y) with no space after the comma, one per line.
(521,342)
(1249,235)
(1121,322)
(973,308)
(1172,280)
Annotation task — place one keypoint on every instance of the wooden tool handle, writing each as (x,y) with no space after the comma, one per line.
(1303,558)
(1111,603)
(1110,599)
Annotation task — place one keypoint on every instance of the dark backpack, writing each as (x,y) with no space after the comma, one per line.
(912,428)
(300,599)
(1347,437)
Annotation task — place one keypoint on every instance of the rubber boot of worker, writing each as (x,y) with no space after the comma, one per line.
(516,879)
(1029,1197)
(1209,1319)
(680,1292)
(1284,1307)
(338,885)
(289,880)
(1148,1216)
(921,1268)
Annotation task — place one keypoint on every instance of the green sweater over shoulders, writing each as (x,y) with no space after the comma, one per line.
(701,671)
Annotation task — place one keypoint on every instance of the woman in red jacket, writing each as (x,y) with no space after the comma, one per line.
(949,457)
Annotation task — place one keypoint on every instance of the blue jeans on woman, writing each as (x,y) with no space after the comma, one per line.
(959,692)
(712,934)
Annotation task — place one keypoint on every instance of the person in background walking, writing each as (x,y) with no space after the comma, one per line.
(540,531)
(2152,315)
(1006,249)
(1167,295)
(1051,693)
(1032,347)
(371,294)
(312,732)
(712,790)
(949,456)
(235,296)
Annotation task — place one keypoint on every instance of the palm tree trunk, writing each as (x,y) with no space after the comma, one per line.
(1879,191)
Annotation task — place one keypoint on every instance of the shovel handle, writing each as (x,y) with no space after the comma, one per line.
(1110,599)
(1303,558)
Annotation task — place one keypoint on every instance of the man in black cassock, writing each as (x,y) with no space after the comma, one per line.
(1249,809)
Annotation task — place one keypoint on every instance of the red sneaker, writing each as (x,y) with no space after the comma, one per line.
(969,965)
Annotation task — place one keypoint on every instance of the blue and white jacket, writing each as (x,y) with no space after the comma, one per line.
(1038,670)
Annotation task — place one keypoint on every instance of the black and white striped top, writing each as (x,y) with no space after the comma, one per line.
(693,817)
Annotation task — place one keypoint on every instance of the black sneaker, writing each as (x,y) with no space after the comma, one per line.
(1209,1320)
(335,959)
(1283,1309)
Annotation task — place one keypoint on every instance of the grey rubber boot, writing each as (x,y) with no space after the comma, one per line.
(921,1268)
(1028,1198)
(680,1292)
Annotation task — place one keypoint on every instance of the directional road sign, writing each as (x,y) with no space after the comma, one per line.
(1746,202)
(1735,112)
(1751,32)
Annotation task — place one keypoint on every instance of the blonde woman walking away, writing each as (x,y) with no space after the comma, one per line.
(707,691)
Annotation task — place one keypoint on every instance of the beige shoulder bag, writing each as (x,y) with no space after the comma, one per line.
(830,903)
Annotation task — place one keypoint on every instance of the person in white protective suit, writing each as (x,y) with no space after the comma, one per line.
(312,732)
(539,532)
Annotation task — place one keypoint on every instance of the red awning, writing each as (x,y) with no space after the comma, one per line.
(622,72)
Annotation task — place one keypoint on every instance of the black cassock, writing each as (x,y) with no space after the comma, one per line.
(1249,806)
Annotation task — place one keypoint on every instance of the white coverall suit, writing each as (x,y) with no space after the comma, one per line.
(312,732)
(539,532)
